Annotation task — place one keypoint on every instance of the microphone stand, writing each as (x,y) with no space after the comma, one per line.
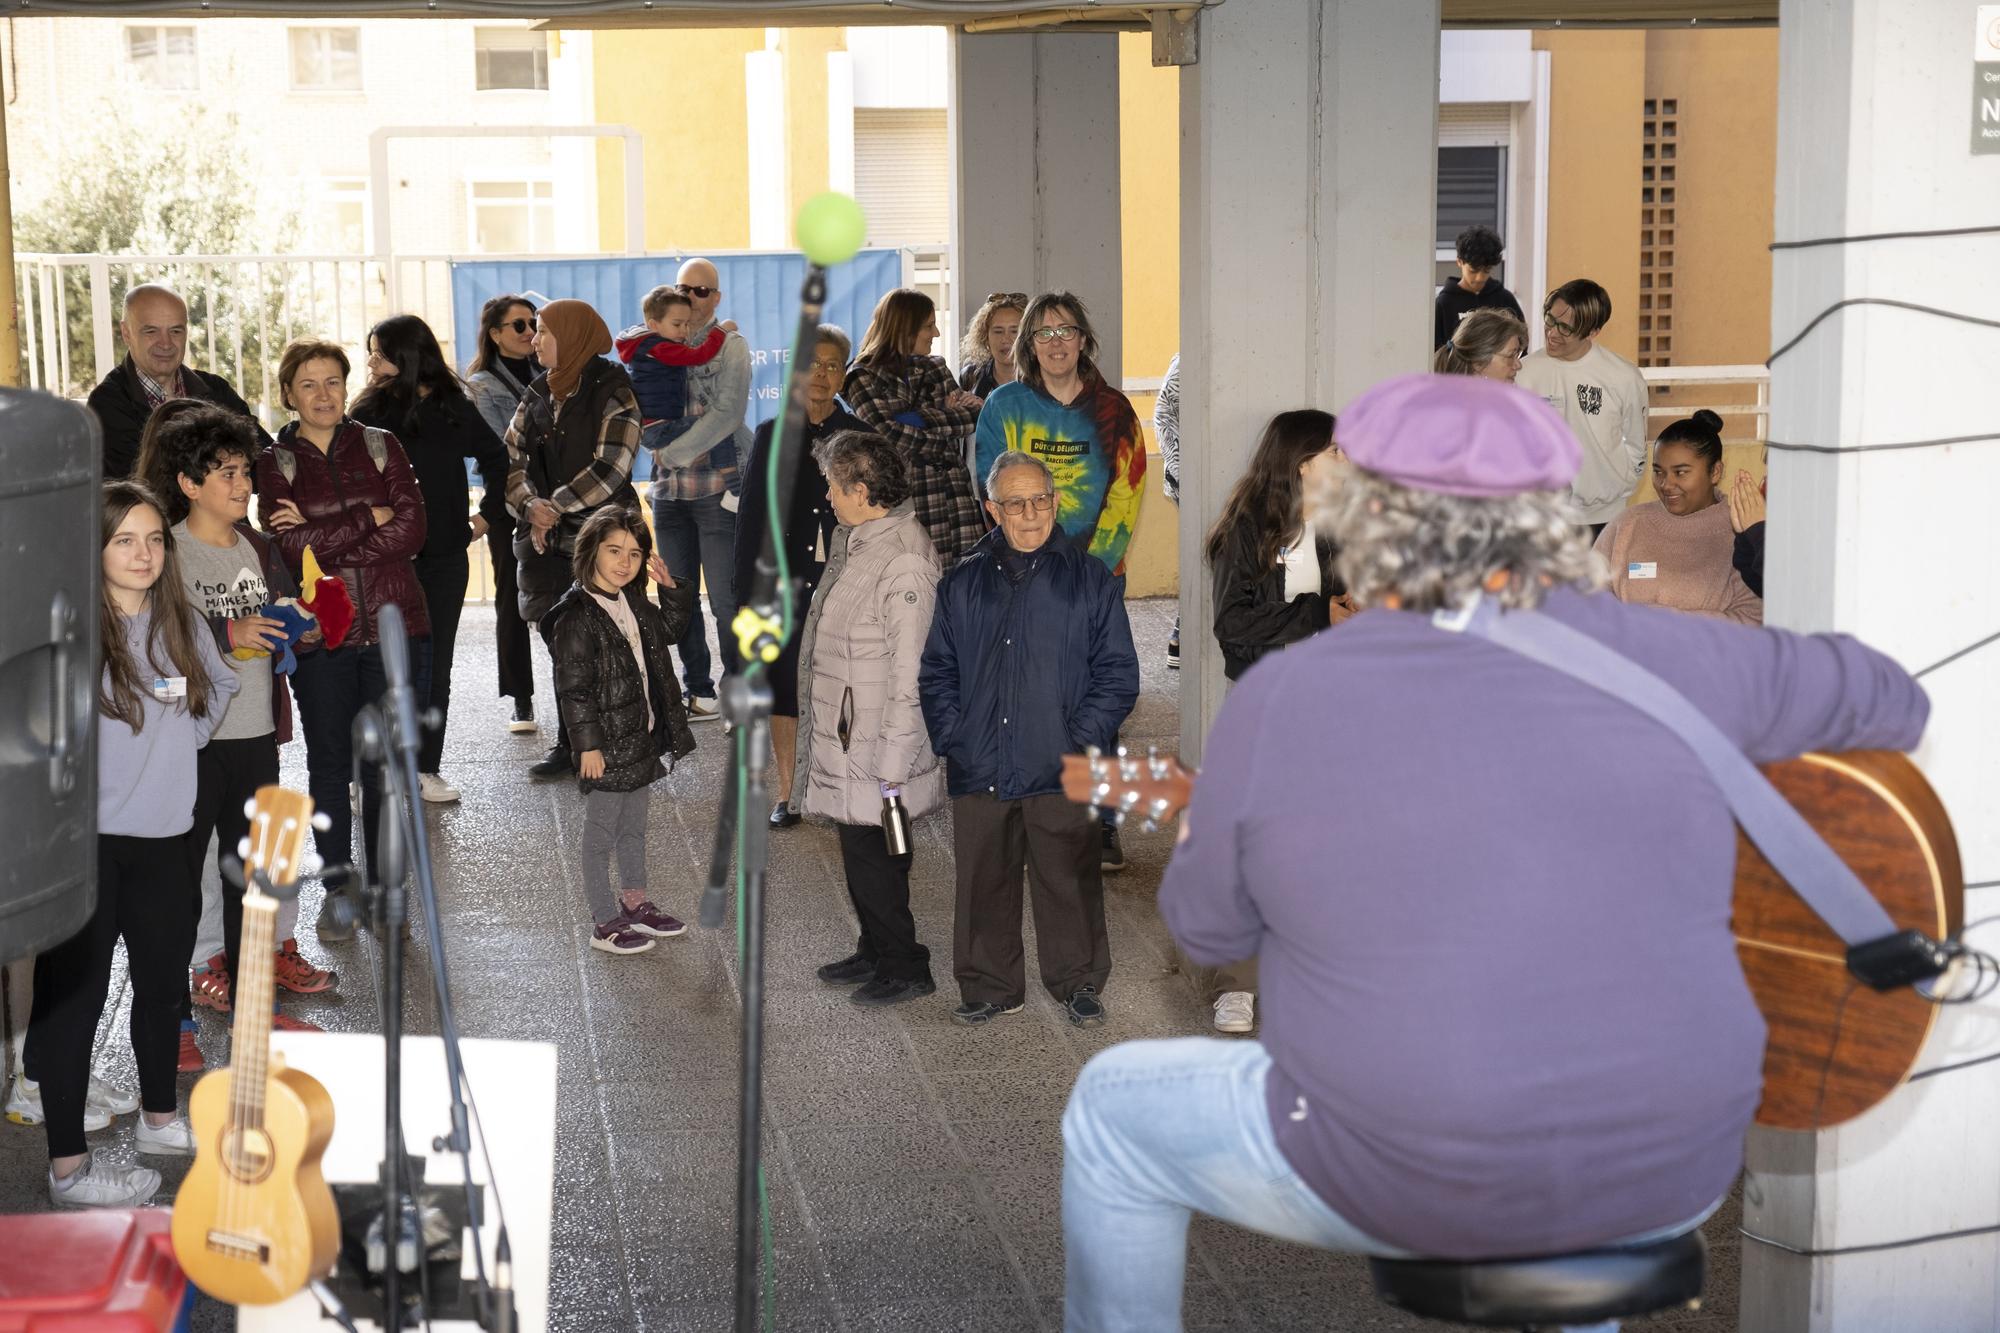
(762,628)
(395,728)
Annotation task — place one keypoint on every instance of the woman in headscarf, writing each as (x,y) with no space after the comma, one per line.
(570,451)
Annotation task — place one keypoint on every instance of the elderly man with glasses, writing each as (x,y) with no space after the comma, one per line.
(1030,657)
(1601,395)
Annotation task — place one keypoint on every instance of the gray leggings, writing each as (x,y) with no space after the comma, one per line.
(613,819)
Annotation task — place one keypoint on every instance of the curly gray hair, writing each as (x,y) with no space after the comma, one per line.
(1424,551)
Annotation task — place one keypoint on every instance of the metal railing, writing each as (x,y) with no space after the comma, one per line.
(1712,380)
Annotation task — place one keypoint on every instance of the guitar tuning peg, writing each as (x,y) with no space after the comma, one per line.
(310,865)
(1093,752)
(1156,813)
(1155,764)
(250,808)
(243,849)
(321,823)
(1100,793)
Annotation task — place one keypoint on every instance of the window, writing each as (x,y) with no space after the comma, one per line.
(510,58)
(162,57)
(513,217)
(326,60)
(1471,189)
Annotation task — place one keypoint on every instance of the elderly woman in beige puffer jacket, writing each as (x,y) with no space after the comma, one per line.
(860,726)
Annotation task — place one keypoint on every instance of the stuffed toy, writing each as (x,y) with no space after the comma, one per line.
(298,622)
(325,596)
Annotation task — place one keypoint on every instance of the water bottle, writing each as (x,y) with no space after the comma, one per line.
(895,821)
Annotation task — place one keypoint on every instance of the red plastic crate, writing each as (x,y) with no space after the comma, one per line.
(105,1272)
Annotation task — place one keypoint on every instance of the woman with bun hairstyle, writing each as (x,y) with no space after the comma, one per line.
(1677,551)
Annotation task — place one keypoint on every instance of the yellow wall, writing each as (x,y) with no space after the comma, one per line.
(1149,120)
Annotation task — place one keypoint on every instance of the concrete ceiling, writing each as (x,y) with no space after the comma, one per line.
(1093,15)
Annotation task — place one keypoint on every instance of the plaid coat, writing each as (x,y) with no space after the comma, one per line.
(911,413)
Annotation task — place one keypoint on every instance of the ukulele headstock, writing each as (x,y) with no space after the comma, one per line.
(273,852)
(1156,787)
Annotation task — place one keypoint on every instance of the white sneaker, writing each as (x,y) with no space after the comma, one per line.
(117,1101)
(435,789)
(24,1105)
(702,710)
(98,1184)
(173,1139)
(1235,1011)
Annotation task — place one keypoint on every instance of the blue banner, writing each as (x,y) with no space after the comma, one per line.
(760,292)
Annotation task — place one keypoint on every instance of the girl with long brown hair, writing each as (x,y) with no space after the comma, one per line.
(163,690)
(908,397)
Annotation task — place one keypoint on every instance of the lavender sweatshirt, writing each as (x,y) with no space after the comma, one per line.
(146,778)
(1491,911)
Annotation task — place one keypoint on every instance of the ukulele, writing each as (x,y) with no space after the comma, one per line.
(254,1220)
(1836,1046)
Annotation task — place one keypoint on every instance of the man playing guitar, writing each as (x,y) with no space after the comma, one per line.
(1503,1009)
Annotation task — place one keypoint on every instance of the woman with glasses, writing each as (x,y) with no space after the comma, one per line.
(502,369)
(987,354)
(908,397)
(1081,426)
(807,521)
(1487,343)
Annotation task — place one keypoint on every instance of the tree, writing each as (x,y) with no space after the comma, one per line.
(121,190)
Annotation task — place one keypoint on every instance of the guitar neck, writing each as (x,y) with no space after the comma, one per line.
(250,1053)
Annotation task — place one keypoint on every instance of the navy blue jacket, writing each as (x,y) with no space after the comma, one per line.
(1015,676)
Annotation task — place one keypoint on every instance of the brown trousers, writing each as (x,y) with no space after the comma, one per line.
(1057,843)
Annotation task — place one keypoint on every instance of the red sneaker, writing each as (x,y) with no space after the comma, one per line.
(209,986)
(292,970)
(283,1023)
(192,1061)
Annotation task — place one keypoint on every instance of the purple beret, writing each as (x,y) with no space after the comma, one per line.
(1460,435)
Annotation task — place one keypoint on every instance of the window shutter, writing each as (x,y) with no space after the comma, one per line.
(902,174)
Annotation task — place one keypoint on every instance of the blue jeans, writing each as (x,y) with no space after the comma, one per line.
(697,539)
(1159,1130)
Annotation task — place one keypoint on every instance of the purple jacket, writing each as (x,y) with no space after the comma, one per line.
(1491,910)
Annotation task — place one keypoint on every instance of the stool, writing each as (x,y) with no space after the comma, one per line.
(1555,1290)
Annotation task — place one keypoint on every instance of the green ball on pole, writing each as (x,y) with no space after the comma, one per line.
(830,228)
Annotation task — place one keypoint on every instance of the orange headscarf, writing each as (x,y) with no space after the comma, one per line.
(580,335)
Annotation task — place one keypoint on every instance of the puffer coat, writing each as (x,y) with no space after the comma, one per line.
(598,687)
(860,724)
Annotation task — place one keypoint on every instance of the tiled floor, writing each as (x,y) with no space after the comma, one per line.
(913,1166)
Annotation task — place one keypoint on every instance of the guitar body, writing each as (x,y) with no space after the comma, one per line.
(253,1223)
(1837,1046)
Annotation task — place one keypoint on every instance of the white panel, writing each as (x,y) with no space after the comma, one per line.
(1486,67)
(764,95)
(899,67)
(840,121)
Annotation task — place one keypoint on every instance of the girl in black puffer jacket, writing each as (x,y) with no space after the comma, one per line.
(623,710)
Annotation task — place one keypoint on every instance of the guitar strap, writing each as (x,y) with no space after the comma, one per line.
(1787,841)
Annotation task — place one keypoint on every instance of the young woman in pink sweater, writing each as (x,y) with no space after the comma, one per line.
(1676,551)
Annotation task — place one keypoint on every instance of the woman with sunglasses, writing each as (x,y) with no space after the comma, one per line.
(908,397)
(1082,427)
(502,369)
(987,354)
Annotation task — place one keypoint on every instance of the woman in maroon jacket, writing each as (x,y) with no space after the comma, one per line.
(348,492)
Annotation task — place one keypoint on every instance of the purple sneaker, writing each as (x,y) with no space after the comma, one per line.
(650,920)
(618,936)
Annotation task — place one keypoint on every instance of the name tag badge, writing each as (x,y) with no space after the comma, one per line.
(169,688)
(1643,569)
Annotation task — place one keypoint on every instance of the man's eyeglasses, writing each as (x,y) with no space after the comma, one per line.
(1018,298)
(518,325)
(1018,505)
(1551,322)
(1049,333)
(696,290)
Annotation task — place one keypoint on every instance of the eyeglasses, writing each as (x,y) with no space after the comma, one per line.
(1049,333)
(825,367)
(518,325)
(696,290)
(1020,298)
(1551,322)
(1018,506)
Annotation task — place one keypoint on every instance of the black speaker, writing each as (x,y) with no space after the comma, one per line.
(50,581)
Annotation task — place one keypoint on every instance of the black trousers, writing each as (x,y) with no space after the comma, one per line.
(1058,844)
(143,896)
(878,885)
(443,578)
(510,632)
(227,774)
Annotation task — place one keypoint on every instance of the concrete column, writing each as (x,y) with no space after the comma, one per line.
(1894,546)
(1308,213)
(770,161)
(1035,129)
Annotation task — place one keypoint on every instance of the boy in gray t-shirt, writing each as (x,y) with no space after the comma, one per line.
(228,582)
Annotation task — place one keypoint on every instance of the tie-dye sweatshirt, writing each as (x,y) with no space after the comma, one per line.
(1094,449)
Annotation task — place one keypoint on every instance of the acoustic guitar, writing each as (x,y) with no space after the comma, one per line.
(1836,1046)
(254,1220)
